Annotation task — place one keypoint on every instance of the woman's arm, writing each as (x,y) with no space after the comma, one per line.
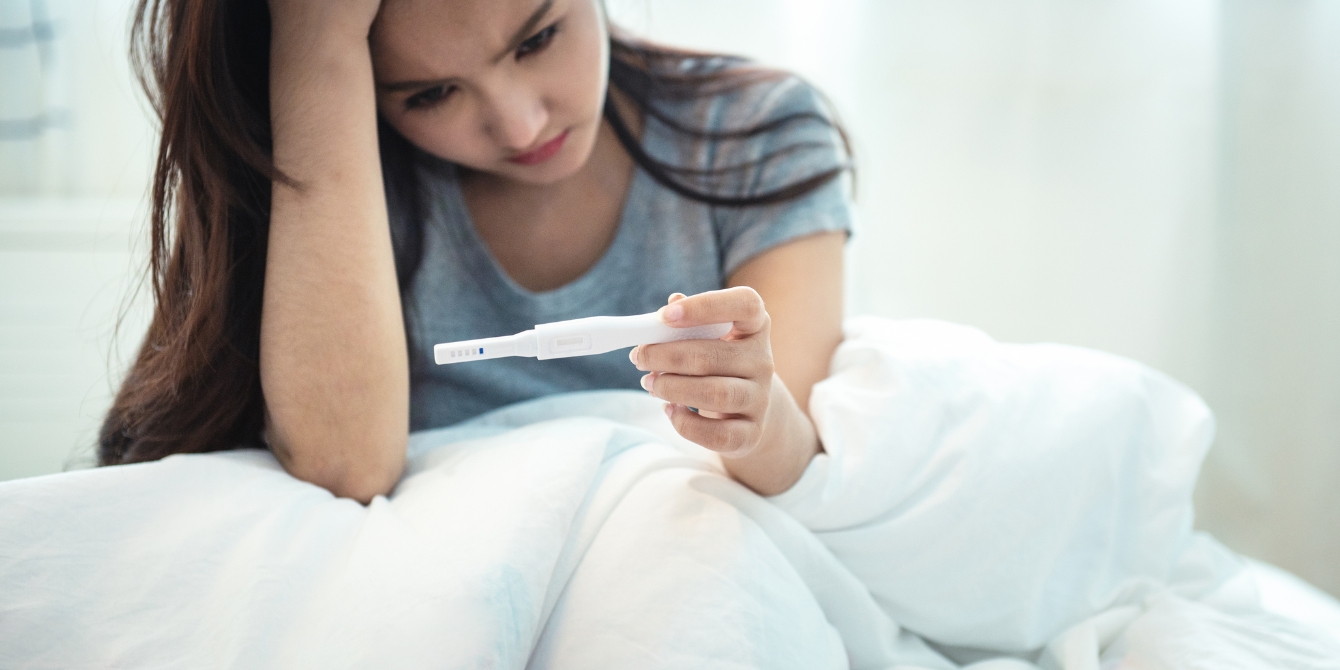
(751,391)
(801,286)
(334,366)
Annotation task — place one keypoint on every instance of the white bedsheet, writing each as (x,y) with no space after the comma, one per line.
(977,501)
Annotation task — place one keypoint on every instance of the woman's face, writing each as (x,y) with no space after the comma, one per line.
(514,88)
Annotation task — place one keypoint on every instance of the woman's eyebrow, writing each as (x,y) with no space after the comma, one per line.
(525,30)
(394,86)
(520,36)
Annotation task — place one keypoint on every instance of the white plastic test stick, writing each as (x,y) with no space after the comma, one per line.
(578,337)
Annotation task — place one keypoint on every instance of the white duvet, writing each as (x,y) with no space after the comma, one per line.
(999,506)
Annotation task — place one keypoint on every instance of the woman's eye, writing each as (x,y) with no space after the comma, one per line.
(537,41)
(429,97)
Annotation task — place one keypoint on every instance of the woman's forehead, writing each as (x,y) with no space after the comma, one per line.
(417,36)
(474,20)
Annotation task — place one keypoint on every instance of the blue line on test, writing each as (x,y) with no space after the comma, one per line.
(481,350)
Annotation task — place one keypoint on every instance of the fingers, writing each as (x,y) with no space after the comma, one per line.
(724,395)
(740,305)
(725,436)
(703,358)
(727,380)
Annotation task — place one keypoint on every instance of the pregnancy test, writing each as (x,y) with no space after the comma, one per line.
(577,337)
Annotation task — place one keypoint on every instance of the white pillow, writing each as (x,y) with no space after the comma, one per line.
(991,495)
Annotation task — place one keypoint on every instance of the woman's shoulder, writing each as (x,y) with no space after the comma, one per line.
(751,129)
(734,93)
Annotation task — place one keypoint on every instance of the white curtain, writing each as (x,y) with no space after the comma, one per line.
(72,122)
(33,106)
(1273,361)
(1157,179)
(75,150)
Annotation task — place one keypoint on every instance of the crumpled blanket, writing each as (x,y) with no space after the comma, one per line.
(978,504)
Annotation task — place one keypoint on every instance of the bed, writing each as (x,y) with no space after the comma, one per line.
(978,505)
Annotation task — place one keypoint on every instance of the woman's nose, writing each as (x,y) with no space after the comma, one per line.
(516,118)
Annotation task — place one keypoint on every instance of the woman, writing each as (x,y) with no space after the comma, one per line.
(351,182)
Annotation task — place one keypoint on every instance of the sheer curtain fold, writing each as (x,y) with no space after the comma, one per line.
(34,106)
(72,121)
(1272,486)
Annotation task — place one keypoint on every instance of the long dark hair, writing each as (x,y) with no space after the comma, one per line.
(195,383)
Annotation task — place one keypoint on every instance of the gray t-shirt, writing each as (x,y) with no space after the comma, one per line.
(665,243)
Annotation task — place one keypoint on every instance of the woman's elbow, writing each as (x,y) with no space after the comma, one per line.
(365,484)
(361,476)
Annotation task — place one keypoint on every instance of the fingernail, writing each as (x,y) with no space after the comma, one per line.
(670,410)
(632,355)
(673,313)
(646,383)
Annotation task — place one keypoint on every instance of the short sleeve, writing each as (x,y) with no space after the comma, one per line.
(803,147)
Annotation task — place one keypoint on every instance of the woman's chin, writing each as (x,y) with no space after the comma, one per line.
(558,168)
(536,175)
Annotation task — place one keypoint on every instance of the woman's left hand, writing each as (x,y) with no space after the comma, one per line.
(745,413)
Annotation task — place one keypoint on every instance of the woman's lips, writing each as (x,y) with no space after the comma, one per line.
(541,153)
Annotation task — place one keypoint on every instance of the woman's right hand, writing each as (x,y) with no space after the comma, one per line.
(341,18)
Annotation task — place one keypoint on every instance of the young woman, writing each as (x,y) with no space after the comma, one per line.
(341,184)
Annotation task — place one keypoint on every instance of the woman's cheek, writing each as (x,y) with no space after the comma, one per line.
(448,135)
